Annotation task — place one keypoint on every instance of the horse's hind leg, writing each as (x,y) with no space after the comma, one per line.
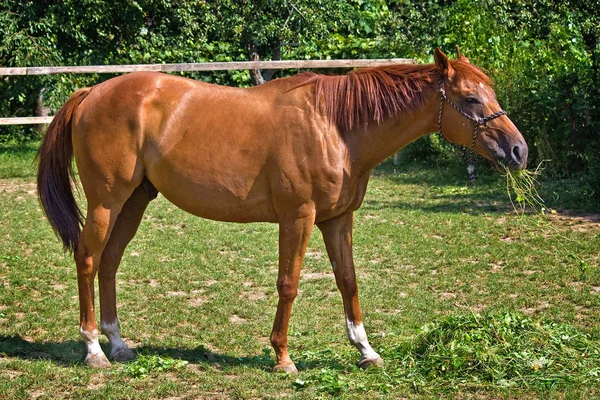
(103,209)
(96,231)
(125,228)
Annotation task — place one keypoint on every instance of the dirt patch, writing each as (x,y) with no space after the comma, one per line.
(10,374)
(196,302)
(36,394)
(96,382)
(506,238)
(176,294)
(478,307)
(580,222)
(253,295)
(317,255)
(389,312)
(317,275)
(59,287)
(236,319)
(12,186)
(531,310)
(496,268)
(196,298)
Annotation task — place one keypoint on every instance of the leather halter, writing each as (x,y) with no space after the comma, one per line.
(479,122)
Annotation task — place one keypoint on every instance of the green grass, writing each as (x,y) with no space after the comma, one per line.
(462,296)
(16,160)
(151,364)
(505,348)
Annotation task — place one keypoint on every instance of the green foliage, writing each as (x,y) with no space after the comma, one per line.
(146,364)
(543,55)
(544,58)
(427,148)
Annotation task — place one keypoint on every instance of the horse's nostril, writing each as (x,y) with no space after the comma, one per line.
(516,153)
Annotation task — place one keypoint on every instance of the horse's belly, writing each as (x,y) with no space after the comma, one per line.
(219,207)
(233,199)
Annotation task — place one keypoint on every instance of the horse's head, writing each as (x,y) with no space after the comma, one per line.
(471,115)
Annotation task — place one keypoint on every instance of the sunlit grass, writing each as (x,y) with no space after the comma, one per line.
(430,251)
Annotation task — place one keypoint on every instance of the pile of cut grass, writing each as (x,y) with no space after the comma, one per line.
(151,364)
(504,348)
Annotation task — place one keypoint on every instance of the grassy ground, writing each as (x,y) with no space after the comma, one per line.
(455,289)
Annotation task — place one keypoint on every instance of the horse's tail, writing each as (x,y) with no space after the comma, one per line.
(55,172)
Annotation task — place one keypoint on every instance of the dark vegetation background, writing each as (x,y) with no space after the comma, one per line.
(543,55)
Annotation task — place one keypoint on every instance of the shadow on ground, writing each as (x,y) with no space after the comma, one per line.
(71,353)
(450,204)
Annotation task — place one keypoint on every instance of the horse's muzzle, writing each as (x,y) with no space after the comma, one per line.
(517,159)
(513,158)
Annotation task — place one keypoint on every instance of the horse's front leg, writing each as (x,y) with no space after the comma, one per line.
(294,233)
(337,234)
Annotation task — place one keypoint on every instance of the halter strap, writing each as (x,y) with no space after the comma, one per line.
(478,123)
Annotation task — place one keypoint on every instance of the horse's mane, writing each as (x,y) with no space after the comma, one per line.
(375,94)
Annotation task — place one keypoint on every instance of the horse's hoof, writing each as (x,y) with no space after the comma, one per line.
(286,368)
(97,361)
(122,354)
(371,362)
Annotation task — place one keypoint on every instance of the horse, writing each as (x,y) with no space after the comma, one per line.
(295,151)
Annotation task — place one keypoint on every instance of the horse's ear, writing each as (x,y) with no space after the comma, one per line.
(442,63)
(461,56)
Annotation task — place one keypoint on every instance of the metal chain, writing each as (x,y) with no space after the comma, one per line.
(467,156)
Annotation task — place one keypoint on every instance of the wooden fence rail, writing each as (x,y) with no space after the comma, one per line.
(212,66)
(186,67)
(25,120)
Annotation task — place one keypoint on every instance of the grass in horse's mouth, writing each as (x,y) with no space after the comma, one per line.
(521,187)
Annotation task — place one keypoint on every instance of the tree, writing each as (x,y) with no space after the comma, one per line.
(542,54)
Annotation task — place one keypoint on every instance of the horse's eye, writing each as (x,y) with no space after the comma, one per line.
(472,100)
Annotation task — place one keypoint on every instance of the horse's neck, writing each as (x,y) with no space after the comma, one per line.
(377,142)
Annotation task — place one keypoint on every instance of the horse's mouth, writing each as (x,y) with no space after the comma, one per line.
(500,165)
(503,166)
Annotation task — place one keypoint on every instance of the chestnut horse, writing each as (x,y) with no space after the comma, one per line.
(295,151)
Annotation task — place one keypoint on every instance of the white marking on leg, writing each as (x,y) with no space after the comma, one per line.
(358,337)
(111,330)
(91,341)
